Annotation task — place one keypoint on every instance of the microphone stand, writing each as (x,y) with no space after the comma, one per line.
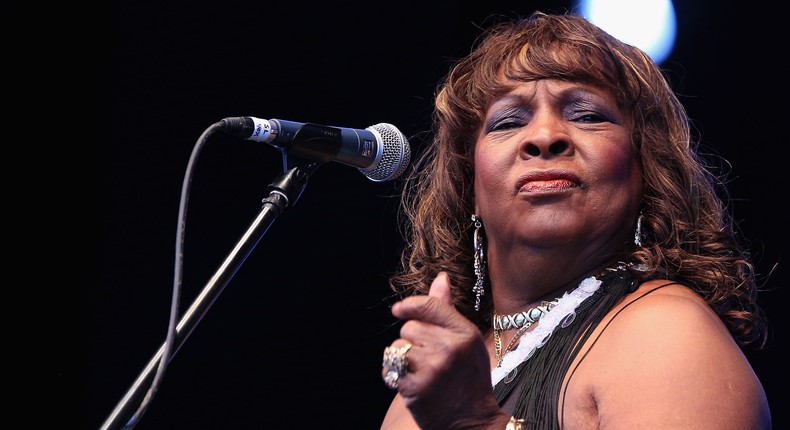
(283,191)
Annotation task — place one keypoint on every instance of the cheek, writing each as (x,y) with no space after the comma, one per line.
(613,156)
(491,183)
(619,175)
(619,171)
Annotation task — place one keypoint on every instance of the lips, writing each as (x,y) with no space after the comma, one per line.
(547,181)
(553,185)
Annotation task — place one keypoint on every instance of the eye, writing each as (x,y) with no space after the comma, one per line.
(589,110)
(507,118)
(505,124)
(589,117)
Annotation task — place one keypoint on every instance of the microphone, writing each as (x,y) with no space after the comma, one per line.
(381,152)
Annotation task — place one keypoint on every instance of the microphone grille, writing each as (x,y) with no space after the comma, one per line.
(395,157)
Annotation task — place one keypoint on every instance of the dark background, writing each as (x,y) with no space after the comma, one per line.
(295,340)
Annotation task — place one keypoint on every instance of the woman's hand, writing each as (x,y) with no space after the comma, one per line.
(448,380)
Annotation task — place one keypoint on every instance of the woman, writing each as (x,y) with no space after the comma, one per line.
(570,264)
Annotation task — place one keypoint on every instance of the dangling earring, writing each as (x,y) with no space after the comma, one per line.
(479,262)
(638,233)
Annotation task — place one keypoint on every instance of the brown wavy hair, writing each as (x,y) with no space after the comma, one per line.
(690,234)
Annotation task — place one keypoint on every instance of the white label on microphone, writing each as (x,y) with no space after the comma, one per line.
(262,131)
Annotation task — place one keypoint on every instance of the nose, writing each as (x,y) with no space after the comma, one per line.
(546,136)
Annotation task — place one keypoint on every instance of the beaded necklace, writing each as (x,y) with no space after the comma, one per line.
(522,321)
(561,315)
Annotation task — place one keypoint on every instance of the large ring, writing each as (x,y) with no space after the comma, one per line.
(396,364)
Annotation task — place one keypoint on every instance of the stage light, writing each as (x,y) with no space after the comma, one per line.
(648,24)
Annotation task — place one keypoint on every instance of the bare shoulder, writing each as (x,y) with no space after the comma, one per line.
(670,304)
(663,359)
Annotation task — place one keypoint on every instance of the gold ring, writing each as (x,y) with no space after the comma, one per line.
(396,364)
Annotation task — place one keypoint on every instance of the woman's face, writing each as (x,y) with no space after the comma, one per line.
(554,166)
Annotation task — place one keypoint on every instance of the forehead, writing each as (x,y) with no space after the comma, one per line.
(553,89)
